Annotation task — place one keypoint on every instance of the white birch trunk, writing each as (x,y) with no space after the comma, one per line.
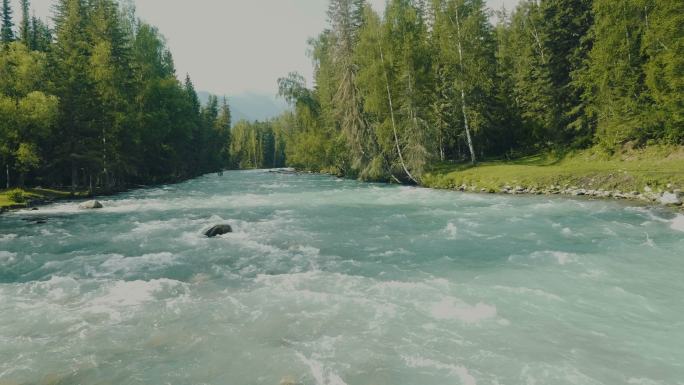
(464,108)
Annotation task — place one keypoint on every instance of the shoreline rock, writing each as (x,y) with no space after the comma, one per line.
(672,199)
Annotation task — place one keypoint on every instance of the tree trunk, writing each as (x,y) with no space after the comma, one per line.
(105,172)
(441,145)
(74,177)
(467,129)
(473,159)
(8,175)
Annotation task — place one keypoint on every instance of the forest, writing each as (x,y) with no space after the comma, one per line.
(437,81)
(92,102)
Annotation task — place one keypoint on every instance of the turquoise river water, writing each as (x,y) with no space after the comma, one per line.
(333,282)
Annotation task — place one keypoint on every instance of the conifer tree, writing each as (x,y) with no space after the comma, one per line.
(346,17)
(109,72)
(565,25)
(25,27)
(70,56)
(222,127)
(664,45)
(6,23)
(41,36)
(614,80)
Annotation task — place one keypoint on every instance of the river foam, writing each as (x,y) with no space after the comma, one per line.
(678,223)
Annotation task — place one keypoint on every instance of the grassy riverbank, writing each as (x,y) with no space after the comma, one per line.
(630,173)
(20,198)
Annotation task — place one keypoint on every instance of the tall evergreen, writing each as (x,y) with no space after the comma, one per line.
(222,125)
(25,26)
(109,73)
(614,81)
(346,17)
(664,70)
(40,36)
(565,25)
(70,60)
(6,23)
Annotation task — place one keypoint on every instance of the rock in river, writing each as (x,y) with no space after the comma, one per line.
(89,205)
(218,230)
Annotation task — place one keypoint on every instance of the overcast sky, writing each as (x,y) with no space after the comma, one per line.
(236,46)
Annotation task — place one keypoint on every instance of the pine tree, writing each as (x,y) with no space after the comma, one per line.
(6,23)
(346,18)
(614,80)
(533,86)
(565,26)
(664,45)
(197,138)
(70,56)
(222,126)
(109,72)
(512,132)
(25,27)
(41,36)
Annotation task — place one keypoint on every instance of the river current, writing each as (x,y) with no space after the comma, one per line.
(332,282)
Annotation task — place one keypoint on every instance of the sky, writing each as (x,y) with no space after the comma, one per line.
(236,46)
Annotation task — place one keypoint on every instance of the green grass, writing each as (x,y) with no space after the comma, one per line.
(632,170)
(6,200)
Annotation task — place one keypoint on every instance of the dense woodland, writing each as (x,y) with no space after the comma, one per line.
(438,80)
(93,102)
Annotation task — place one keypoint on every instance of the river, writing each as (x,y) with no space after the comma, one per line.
(331,282)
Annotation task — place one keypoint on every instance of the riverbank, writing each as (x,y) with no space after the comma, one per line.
(650,175)
(654,174)
(15,199)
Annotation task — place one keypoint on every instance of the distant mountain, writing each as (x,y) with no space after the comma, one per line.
(251,106)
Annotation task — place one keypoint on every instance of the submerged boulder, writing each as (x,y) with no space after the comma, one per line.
(35,220)
(218,230)
(90,205)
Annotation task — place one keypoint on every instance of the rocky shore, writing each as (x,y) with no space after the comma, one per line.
(672,198)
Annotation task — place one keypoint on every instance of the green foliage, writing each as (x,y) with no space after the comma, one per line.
(436,81)
(16,196)
(614,78)
(27,157)
(98,104)
(664,46)
(256,145)
(96,101)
